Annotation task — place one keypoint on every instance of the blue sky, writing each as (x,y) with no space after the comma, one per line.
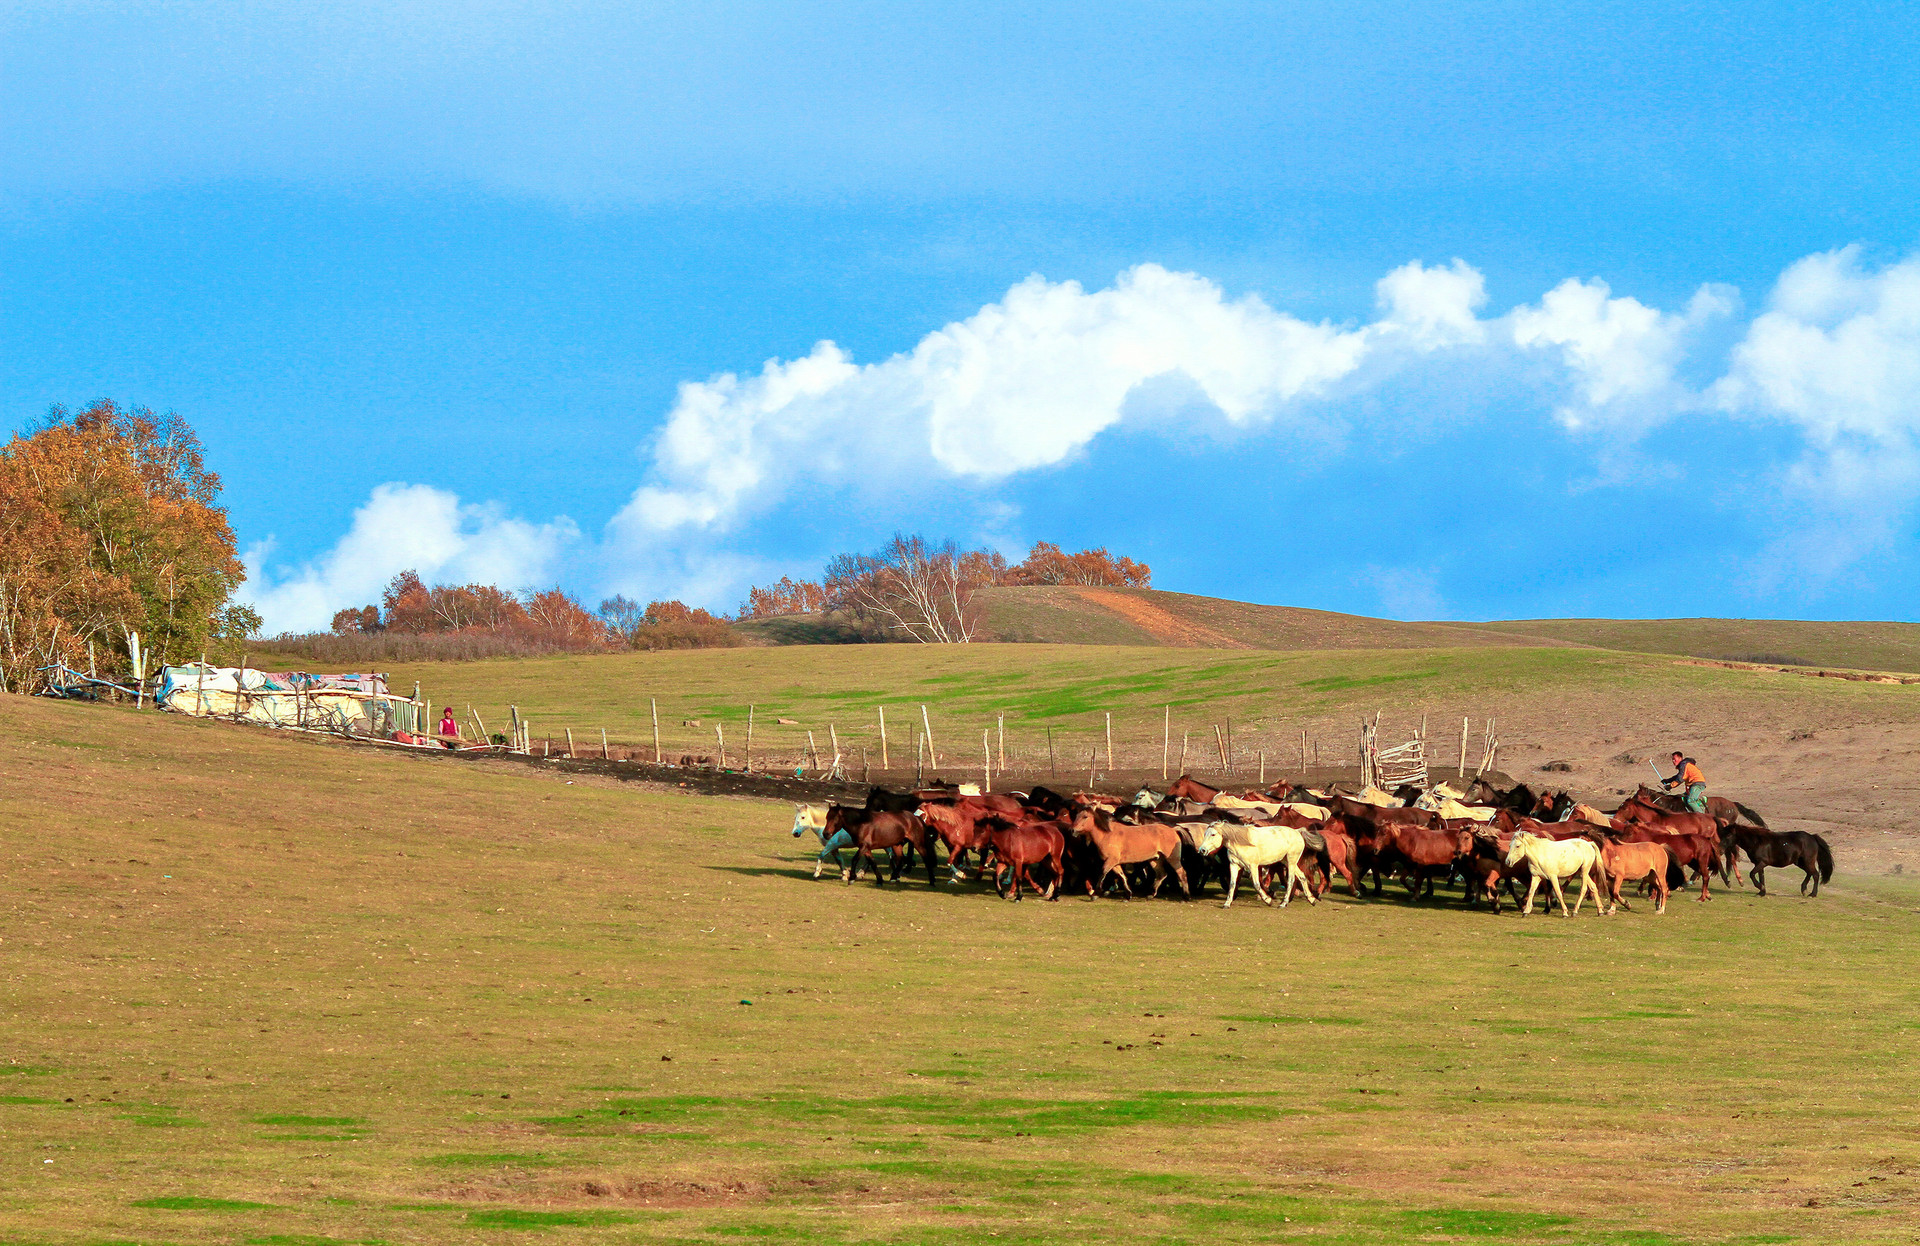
(1464,310)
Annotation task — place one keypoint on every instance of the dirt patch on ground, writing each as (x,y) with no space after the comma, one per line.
(606,1191)
(1157,622)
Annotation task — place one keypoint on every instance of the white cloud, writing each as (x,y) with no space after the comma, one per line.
(1029,382)
(1620,355)
(1024,383)
(404,527)
(1836,353)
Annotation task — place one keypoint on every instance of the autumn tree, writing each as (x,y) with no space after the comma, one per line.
(1049,564)
(915,589)
(110,523)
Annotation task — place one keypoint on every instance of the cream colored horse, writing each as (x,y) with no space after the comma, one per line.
(1249,848)
(1557,859)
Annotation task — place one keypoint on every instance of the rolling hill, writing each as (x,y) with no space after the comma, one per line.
(1138,616)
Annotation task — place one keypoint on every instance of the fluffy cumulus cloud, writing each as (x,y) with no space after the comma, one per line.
(1024,383)
(1620,356)
(1027,383)
(402,527)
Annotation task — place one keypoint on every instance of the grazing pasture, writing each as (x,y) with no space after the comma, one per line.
(272,989)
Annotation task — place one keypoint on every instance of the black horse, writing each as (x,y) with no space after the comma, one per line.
(1765,848)
(886,800)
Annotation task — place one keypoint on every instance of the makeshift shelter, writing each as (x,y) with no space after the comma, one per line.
(357,704)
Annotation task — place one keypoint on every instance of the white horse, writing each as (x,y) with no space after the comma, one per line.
(1249,848)
(814,818)
(1557,859)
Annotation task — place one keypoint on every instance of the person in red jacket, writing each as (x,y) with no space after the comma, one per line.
(449,729)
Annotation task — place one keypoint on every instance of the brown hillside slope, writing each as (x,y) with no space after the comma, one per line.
(1142,616)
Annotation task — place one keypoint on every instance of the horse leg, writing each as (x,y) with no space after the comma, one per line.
(1233,880)
(1533,886)
(1759,876)
(1706,876)
(1660,891)
(1559,894)
(1180,873)
(1306,888)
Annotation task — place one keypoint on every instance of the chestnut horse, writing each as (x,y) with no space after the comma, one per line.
(1692,838)
(1632,863)
(1018,848)
(1121,844)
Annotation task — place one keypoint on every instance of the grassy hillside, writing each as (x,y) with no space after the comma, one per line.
(273,989)
(1858,646)
(1267,697)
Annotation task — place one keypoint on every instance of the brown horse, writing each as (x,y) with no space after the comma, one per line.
(958,827)
(1120,844)
(1018,848)
(1726,814)
(1423,854)
(1632,863)
(1372,844)
(1484,859)
(1691,839)
(1339,857)
(899,833)
(1192,789)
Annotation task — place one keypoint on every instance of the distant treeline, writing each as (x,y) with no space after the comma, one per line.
(417,621)
(912,589)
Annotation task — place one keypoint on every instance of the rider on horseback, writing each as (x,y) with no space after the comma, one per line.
(1687,777)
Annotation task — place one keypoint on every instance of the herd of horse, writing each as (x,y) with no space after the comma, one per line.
(1492,841)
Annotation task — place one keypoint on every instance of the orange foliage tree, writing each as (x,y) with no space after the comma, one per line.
(110,523)
(1049,564)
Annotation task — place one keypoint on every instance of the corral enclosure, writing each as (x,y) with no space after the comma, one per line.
(272,988)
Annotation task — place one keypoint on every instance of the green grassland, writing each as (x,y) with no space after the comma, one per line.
(275,989)
(1269,696)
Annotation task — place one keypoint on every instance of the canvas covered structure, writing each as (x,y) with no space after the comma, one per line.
(360,704)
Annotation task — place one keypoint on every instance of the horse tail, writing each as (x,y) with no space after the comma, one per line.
(1751,816)
(1826,858)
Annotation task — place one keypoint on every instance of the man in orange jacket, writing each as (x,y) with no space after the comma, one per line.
(1687,777)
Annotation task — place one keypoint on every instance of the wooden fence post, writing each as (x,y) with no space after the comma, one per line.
(1220,742)
(812,752)
(1184,737)
(933,751)
(1166,740)
(748,765)
(1109,714)
(656,729)
(604,754)
(1003,743)
(1053,763)
(883,737)
(986,753)
(1463,747)
(835,737)
(720,734)
(1093,763)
